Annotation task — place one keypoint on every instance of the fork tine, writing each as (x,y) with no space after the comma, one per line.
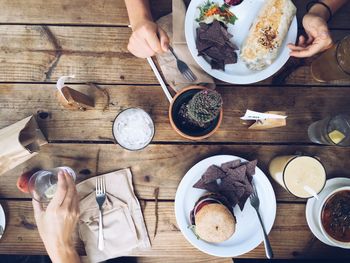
(184,75)
(99,185)
(254,189)
(194,77)
(187,76)
(104,184)
(252,195)
(96,186)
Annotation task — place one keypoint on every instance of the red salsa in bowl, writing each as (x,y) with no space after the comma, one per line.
(335,216)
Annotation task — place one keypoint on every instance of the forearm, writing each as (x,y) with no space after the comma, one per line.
(138,10)
(64,255)
(321,11)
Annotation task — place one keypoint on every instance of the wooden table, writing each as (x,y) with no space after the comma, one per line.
(43,40)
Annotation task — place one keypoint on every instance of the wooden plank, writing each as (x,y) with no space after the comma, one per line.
(93,54)
(164,166)
(40,53)
(290,237)
(303,106)
(108,12)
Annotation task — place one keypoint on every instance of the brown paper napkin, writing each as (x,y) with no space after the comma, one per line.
(174,25)
(124,228)
(19,142)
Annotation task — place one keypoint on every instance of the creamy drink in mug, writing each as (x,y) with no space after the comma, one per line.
(302,176)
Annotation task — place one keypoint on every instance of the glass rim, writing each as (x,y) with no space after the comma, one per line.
(151,138)
(295,157)
(336,54)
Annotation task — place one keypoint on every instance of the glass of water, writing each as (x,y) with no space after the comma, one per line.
(334,64)
(43,184)
(331,131)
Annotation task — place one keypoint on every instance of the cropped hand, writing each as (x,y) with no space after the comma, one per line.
(318,37)
(148,39)
(57,223)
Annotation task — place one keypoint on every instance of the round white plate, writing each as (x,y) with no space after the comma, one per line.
(313,206)
(2,219)
(237,73)
(248,233)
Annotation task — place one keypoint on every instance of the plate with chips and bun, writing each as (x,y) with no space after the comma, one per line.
(212,205)
(251,43)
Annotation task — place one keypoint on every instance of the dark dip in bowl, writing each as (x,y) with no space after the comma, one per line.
(335,216)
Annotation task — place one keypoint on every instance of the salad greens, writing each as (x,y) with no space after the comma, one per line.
(211,11)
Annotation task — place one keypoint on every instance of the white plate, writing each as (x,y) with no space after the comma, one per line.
(313,207)
(248,233)
(2,218)
(237,73)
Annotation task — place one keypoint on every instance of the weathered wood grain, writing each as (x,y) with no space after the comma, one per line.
(303,105)
(290,236)
(108,12)
(93,54)
(164,166)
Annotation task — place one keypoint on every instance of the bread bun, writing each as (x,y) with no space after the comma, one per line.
(215,223)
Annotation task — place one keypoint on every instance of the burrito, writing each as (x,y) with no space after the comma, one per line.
(266,35)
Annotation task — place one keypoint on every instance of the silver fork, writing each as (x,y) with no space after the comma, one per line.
(255,202)
(100,199)
(183,68)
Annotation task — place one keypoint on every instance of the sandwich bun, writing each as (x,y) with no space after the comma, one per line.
(214,223)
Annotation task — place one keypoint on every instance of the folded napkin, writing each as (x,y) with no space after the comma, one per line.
(174,25)
(123,225)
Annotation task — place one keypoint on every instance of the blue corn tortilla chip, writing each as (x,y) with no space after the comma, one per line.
(230,165)
(214,45)
(232,179)
(211,187)
(237,174)
(212,174)
(217,64)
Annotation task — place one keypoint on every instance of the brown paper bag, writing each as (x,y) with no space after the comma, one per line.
(19,142)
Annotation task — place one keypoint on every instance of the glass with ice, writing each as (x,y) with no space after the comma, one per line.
(331,131)
(133,129)
(43,184)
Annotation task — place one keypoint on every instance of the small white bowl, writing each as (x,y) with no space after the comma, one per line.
(328,237)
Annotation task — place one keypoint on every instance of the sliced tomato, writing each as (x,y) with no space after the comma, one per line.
(203,203)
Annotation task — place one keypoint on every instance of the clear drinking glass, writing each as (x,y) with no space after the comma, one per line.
(43,184)
(331,131)
(334,64)
(133,129)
